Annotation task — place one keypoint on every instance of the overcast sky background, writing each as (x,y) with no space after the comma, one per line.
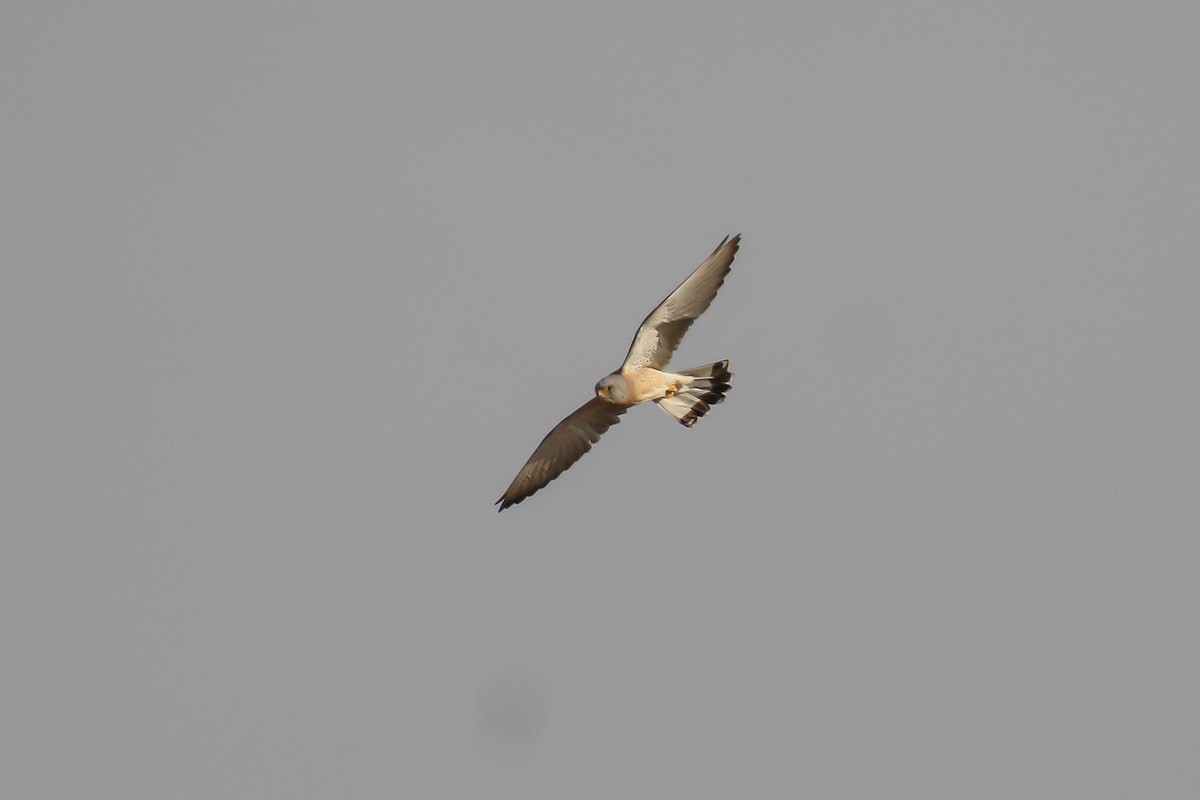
(291,291)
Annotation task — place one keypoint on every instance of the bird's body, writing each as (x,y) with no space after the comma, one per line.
(685,395)
(646,384)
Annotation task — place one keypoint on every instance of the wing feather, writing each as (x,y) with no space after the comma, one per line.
(663,329)
(562,447)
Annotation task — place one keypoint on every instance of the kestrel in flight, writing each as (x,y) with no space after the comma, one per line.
(685,395)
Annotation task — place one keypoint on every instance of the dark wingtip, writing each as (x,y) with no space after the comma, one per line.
(505,502)
(735,240)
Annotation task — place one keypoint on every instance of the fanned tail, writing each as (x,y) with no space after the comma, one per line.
(707,388)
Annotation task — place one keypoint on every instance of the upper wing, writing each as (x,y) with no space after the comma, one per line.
(663,330)
(562,447)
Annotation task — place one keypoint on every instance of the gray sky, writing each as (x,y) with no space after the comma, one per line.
(292,290)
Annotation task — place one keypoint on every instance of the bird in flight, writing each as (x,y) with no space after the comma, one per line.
(685,395)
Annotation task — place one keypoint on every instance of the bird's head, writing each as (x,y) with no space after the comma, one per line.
(612,388)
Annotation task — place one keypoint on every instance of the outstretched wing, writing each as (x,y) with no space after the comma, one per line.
(663,330)
(562,447)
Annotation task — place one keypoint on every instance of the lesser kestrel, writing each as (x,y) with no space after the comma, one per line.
(685,395)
